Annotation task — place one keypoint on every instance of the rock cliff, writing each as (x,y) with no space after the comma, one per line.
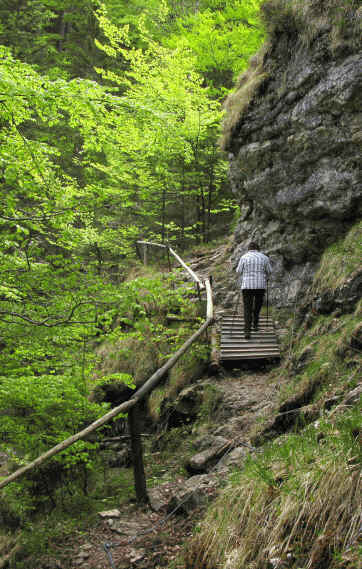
(293,133)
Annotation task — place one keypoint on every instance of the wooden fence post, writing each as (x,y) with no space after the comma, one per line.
(137,456)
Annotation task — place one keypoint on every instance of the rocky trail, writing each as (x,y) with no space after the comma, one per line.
(152,537)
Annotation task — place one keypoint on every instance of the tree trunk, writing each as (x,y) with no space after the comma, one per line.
(163,234)
(209,199)
(61,32)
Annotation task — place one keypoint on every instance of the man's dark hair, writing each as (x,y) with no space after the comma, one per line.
(253,246)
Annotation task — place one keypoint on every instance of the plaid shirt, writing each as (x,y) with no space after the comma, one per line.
(255,269)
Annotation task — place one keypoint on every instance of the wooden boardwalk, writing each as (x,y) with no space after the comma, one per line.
(234,346)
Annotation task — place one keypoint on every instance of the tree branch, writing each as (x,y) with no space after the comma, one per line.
(45,322)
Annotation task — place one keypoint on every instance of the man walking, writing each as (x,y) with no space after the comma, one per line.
(255,269)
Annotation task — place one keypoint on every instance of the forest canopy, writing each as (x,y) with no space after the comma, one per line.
(110,116)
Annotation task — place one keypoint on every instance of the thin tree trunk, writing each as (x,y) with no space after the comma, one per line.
(163,233)
(183,221)
(61,32)
(203,214)
(209,201)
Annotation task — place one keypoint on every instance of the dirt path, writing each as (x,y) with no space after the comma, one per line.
(143,538)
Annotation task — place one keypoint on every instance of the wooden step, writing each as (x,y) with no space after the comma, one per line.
(262,343)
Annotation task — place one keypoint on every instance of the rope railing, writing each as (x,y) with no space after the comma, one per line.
(127,406)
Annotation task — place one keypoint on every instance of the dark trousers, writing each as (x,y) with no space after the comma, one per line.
(253,301)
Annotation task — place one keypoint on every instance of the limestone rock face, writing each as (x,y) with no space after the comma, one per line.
(295,157)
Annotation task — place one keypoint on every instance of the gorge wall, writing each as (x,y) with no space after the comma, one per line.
(293,134)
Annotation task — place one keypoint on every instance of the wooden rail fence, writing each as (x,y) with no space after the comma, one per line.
(130,406)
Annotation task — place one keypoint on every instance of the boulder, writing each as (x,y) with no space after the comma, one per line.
(195,492)
(207,458)
(235,458)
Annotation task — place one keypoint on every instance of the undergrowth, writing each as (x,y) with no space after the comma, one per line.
(136,340)
(296,505)
(339,261)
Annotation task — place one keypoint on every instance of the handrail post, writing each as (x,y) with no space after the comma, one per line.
(168,258)
(137,456)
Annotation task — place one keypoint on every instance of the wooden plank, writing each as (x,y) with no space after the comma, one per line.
(237,327)
(248,351)
(262,344)
(250,354)
(242,325)
(241,338)
(241,318)
(246,346)
(257,339)
(252,357)
(240,330)
(241,333)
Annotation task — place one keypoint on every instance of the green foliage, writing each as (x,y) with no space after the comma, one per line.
(51,405)
(56,35)
(166,129)
(223,35)
(87,167)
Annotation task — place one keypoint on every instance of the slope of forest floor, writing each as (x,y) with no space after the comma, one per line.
(236,402)
(149,537)
(199,461)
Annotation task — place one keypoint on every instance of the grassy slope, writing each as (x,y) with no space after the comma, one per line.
(296,504)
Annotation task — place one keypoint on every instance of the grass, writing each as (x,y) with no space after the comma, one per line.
(238,101)
(297,503)
(340,261)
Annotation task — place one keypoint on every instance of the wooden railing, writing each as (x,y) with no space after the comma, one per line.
(193,275)
(130,406)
